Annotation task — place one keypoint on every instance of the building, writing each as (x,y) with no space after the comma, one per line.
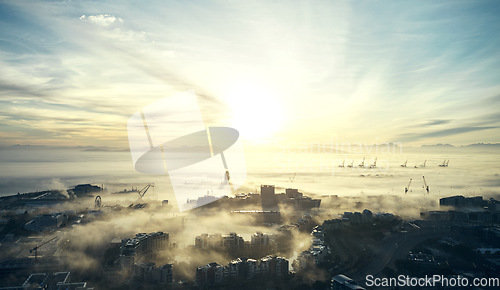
(149,273)
(260,239)
(142,246)
(46,221)
(232,240)
(273,266)
(84,189)
(218,241)
(210,274)
(469,216)
(293,193)
(461,201)
(206,241)
(242,269)
(342,282)
(261,244)
(268,197)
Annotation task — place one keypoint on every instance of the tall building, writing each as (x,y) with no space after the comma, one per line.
(273,266)
(212,273)
(268,197)
(293,193)
(206,241)
(232,240)
(461,201)
(149,273)
(260,239)
(218,241)
(140,247)
(242,268)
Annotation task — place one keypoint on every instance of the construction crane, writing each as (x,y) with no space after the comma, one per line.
(374,165)
(35,249)
(404,164)
(143,191)
(362,164)
(445,163)
(342,165)
(408,187)
(425,185)
(351,165)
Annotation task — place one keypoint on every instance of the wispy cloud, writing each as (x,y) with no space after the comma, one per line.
(101,19)
(441,133)
(436,122)
(364,71)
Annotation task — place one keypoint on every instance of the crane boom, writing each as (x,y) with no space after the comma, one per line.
(425,185)
(35,249)
(143,191)
(362,164)
(408,187)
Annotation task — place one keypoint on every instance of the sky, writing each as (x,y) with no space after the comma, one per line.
(415,72)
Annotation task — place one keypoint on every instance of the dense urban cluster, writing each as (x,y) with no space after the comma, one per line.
(307,252)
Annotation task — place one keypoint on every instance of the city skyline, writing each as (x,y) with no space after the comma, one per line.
(409,72)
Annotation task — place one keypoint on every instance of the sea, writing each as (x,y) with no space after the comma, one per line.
(470,170)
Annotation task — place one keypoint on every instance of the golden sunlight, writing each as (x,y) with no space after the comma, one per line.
(256,109)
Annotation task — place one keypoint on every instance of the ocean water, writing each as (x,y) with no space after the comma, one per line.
(470,171)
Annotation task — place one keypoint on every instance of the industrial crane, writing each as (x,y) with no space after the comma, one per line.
(445,163)
(35,249)
(408,187)
(374,165)
(362,164)
(351,165)
(143,191)
(425,185)
(404,164)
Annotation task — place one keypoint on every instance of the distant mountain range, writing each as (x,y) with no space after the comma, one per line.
(81,148)
(476,145)
(329,148)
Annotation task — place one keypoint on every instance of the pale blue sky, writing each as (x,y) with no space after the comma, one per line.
(417,72)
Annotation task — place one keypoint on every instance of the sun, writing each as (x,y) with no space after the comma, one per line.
(256,110)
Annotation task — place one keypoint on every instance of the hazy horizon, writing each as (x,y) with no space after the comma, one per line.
(471,172)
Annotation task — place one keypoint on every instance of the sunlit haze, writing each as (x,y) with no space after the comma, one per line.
(411,72)
(217,144)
